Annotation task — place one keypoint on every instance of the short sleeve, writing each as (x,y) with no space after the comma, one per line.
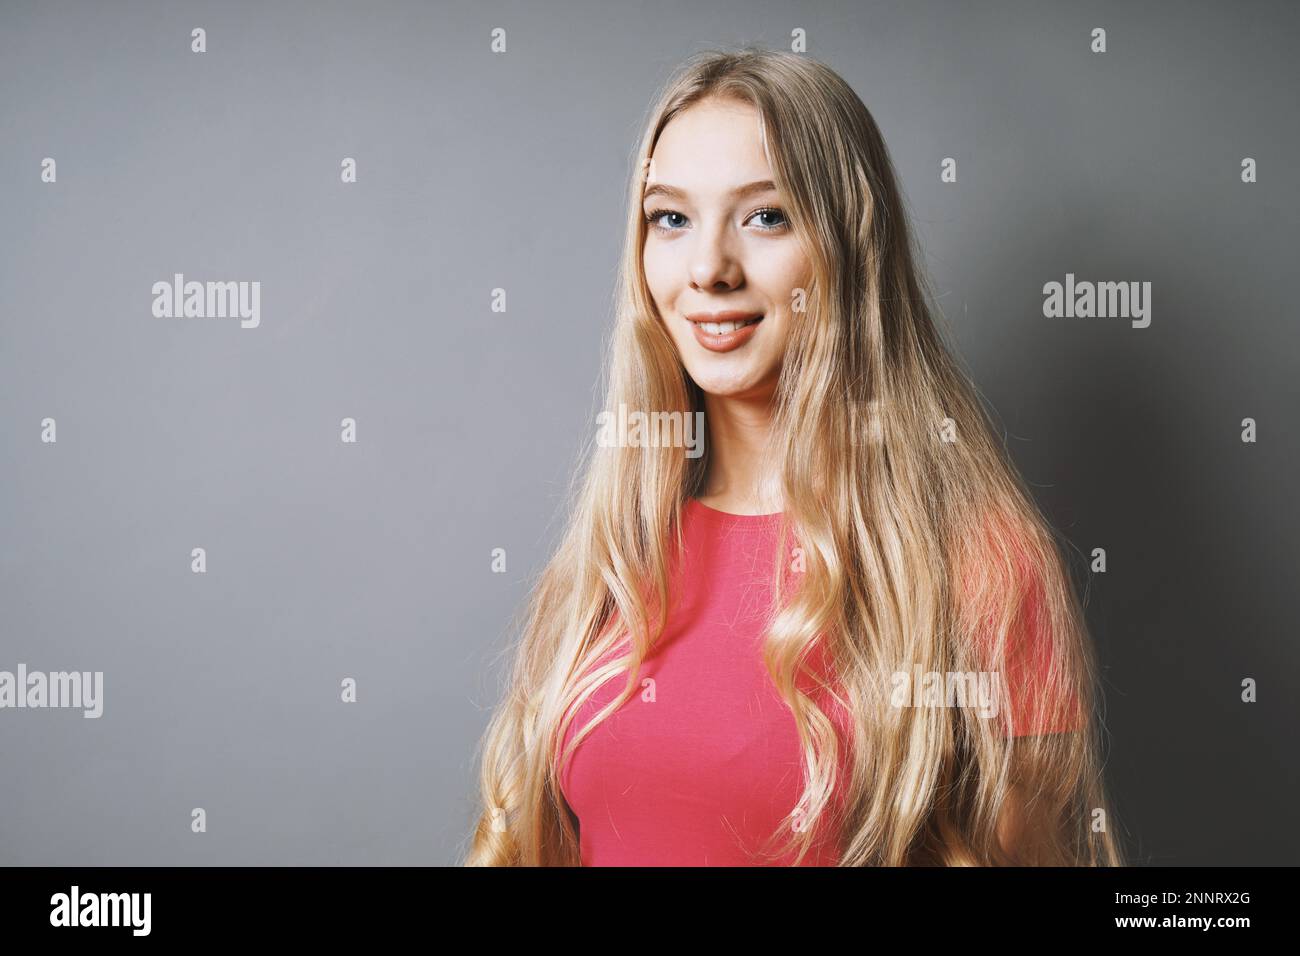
(1041,702)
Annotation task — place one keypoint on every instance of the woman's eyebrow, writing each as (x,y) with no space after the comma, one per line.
(672,192)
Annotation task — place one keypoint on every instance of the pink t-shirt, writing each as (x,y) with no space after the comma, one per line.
(703,762)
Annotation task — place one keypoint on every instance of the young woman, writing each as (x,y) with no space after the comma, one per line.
(844,634)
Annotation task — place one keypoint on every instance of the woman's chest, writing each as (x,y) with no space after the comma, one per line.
(704,725)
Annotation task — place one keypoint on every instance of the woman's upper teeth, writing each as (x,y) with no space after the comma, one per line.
(722,328)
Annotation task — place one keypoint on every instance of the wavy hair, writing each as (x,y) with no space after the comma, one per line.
(921,546)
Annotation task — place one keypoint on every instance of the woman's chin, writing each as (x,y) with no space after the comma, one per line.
(747,386)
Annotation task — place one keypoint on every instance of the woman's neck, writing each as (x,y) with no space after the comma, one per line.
(741,478)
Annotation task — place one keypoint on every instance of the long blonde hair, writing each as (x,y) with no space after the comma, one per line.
(921,548)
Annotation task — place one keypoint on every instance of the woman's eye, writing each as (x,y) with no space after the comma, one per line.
(775,214)
(655,217)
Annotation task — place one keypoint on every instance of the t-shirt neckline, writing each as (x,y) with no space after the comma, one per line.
(728,518)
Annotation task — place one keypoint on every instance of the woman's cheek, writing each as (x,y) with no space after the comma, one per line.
(655,276)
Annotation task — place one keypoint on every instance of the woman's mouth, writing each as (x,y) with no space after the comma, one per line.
(725,331)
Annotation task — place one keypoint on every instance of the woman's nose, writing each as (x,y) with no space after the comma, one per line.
(714,263)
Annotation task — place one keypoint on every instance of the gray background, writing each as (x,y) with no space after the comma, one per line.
(477,170)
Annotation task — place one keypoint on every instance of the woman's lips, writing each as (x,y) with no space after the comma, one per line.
(726,341)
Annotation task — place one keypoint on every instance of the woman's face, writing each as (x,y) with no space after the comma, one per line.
(720,244)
